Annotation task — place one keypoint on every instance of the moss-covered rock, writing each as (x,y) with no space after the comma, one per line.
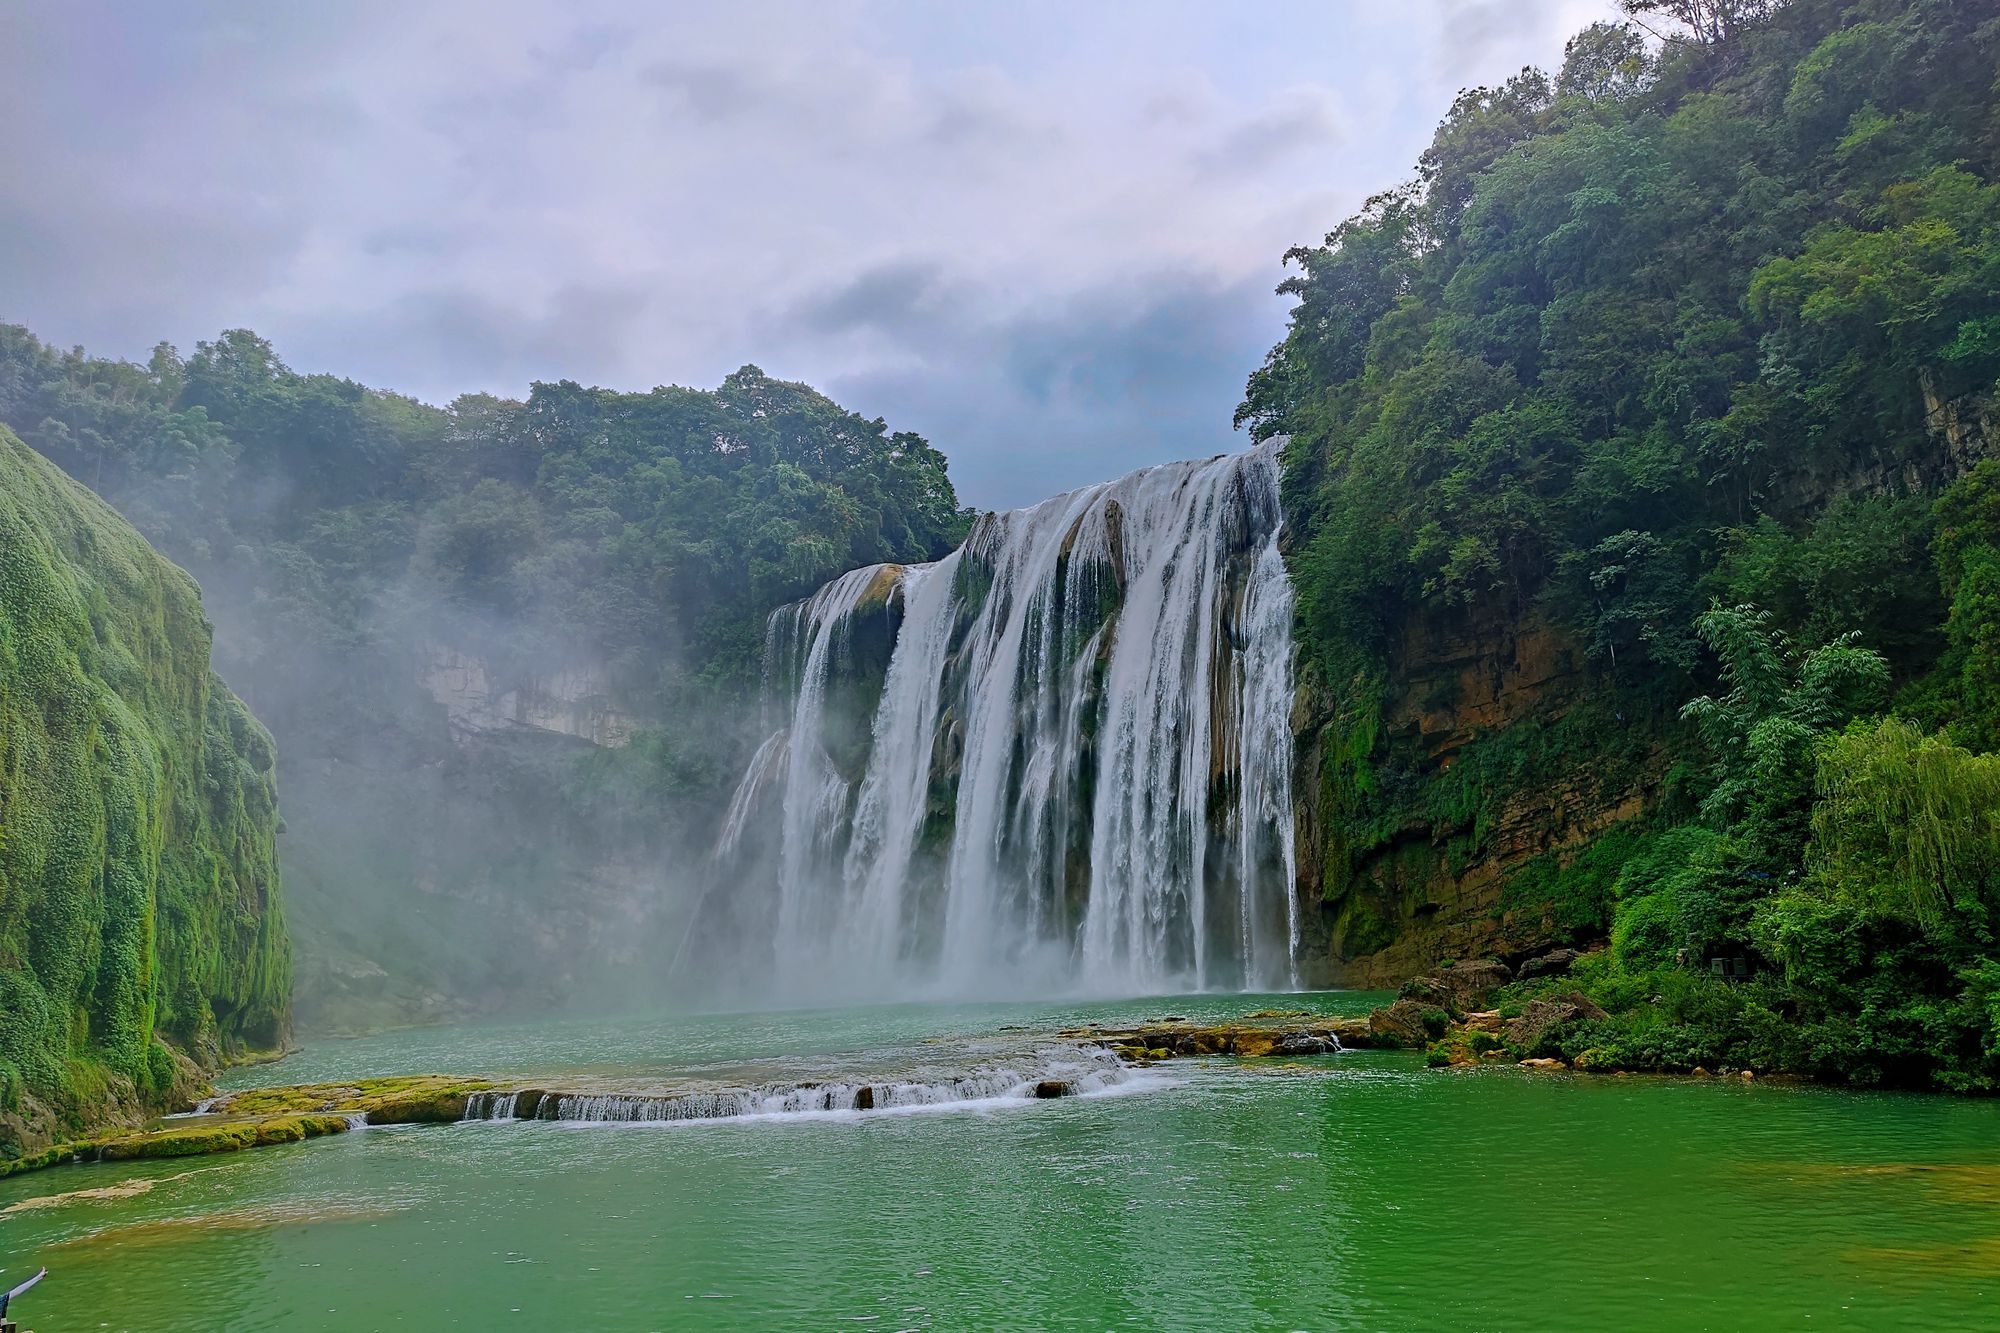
(413,1099)
(261,1117)
(1168,1038)
(141,934)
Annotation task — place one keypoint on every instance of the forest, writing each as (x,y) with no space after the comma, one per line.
(343,536)
(1685,358)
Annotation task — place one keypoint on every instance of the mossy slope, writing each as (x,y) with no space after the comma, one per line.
(141,934)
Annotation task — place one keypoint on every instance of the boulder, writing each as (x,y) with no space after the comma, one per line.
(1543,1063)
(1407,1022)
(1484,1020)
(1459,987)
(1051,1088)
(1306,1042)
(1552,963)
(1551,1011)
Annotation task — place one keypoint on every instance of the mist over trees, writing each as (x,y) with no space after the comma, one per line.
(347,540)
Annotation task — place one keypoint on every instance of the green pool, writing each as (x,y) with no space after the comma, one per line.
(1358,1191)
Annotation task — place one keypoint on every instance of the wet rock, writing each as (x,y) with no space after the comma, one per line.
(1253,1043)
(864,1098)
(1552,963)
(1050,1088)
(1306,1042)
(1351,1033)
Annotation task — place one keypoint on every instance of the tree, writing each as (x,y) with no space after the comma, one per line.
(1604,61)
(1781,701)
(1910,823)
(1707,21)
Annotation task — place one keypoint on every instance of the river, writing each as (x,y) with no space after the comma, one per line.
(1354,1191)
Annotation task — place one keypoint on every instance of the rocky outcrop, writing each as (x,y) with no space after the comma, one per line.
(1539,1017)
(1281,1035)
(1459,987)
(478,697)
(1406,1023)
(1553,963)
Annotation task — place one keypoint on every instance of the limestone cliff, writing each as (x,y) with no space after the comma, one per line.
(571,701)
(142,938)
(1406,850)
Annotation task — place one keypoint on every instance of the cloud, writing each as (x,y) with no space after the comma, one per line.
(1306,118)
(459,335)
(711,92)
(1111,379)
(1043,235)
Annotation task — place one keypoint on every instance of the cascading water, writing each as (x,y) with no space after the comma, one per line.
(1059,758)
(1049,1071)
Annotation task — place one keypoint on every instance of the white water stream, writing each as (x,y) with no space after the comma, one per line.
(1073,770)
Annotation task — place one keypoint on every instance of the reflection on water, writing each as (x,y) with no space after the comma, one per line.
(1356,1191)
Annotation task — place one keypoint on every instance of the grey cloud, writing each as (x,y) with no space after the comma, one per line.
(1498,37)
(898,298)
(441,341)
(1053,257)
(1112,380)
(712,92)
(110,267)
(1470,29)
(585,48)
(415,238)
(1302,121)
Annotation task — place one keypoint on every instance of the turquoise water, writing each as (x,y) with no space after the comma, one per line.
(1358,1191)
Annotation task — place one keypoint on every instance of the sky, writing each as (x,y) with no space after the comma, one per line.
(1043,234)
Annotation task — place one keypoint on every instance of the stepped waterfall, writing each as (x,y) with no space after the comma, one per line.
(1056,761)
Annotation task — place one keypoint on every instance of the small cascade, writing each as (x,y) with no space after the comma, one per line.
(491,1105)
(1057,760)
(766,767)
(356,1120)
(1053,1072)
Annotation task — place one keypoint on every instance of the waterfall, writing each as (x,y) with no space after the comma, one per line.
(1057,759)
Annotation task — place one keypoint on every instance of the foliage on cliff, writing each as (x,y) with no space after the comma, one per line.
(139,904)
(1705,322)
(340,532)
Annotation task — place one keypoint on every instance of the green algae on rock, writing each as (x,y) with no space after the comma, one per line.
(262,1117)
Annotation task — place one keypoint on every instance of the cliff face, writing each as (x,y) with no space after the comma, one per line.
(572,701)
(141,934)
(1480,774)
